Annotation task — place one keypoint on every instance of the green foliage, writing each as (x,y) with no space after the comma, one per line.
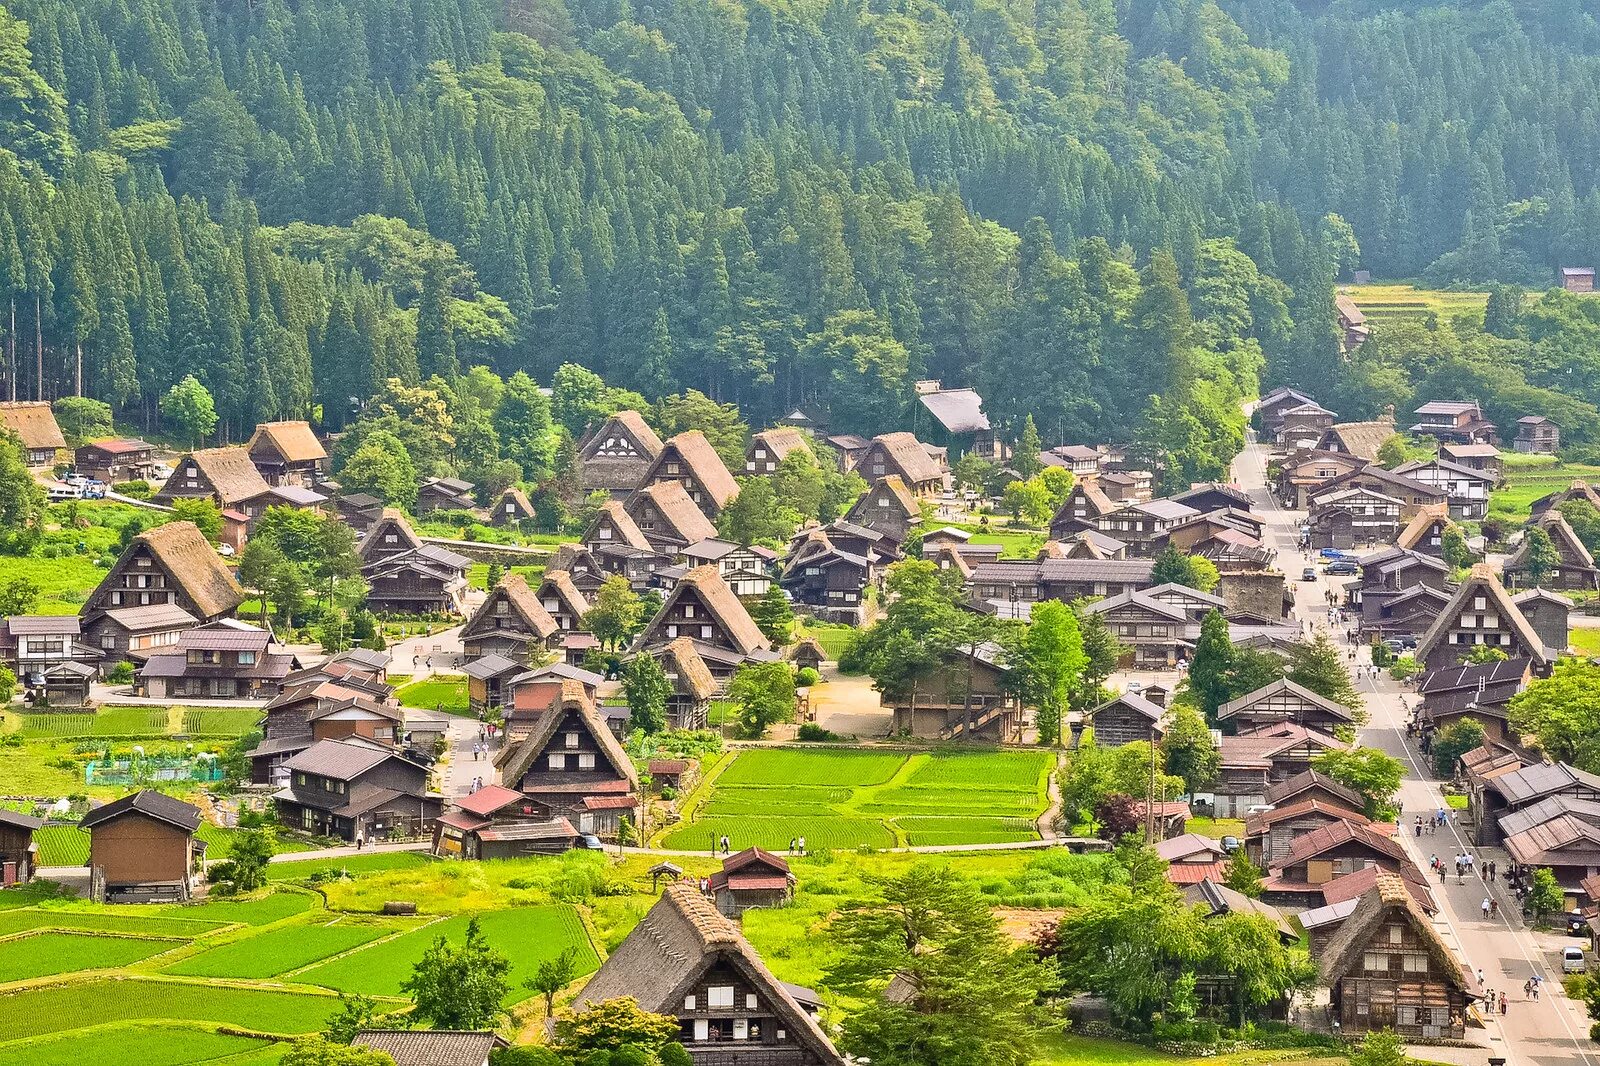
(1173,565)
(615,614)
(1372,774)
(773,615)
(1243,876)
(764,693)
(460,987)
(189,405)
(1545,894)
(1539,556)
(1187,749)
(1454,741)
(82,419)
(1380,1048)
(1317,665)
(1454,548)
(1558,710)
(317,1051)
(1047,665)
(355,1013)
(646,688)
(21,498)
(204,513)
(1398,449)
(613,1025)
(756,517)
(719,422)
(552,976)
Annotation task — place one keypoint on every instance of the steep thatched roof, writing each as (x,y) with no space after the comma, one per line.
(682,937)
(694,676)
(1421,522)
(626,531)
(517,759)
(779,442)
(1361,439)
(1388,899)
(724,607)
(293,441)
(558,584)
(700,461)
(676,517)
(907,453)
(34,423)
(231,473)
(513,590)
(1482,581)
(191,564)
(390,521)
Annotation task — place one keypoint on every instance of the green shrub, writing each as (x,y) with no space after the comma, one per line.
(807,676)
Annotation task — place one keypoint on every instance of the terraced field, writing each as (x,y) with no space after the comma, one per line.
(286,948)
(47,953)
(875,799)
(1383,303)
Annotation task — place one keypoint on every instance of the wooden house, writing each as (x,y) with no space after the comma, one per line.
(287,453)
(511,508)
(1394,573)
(1353,517)
(225,476)
(959,421)
(1484,458)
(571,766)
(1124,486)
(1466,489)
(1460,421)
(889,507)
(584,570)
(1353,328)
(34,423)
(1478,691)
(114,461)
(751,878)
(1577,490)
(688,961)
(499,823)
(143,849)
(1013,581)
(32,646)
(1253,763)
(770,447)
(320,708)
(169,579)
(1480,613)
(1270,409)
(1537,435)
(359,510)
(1303,426)
(1157,634)
(1283,701)
(1080,460)
(1577,279)
(905,457)
(1310,785)
(511,622)
(225,659)
(1499,786)
(1576,570)
(562,601)
(1124,719)
(615,457)
(825,577)
(966,698)
(1359,439)
(445,494)
(1081,510)
(1219,901)
(746,568)
(1425,532)
(431,1047)
(693,685)
(288,495)
(19,855)
(613,530)
(1144,526)
(1331,851)
(1388,968)
(1548,614)
(357,789)
(1567,845)
(1306,473)
(1269,836)
(690,461)
(703,608)
(668,516)
(407,576)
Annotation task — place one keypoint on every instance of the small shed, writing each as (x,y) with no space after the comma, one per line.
(668,870)
(807,652)
(752,878)
(670,773)
(143,848)
(18,853)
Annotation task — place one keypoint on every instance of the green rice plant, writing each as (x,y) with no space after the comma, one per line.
(56,1008)
(774,833)
(62,845)
(933,831)
(797,766)
(286,948)
(47,953)
(219,722)
(147,1045)
(103,921)
(995,771)
(526,935)
(108,722)
(355,862)
(248,911)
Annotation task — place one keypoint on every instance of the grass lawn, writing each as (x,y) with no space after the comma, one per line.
(1584,641)
(1526,484)
(1456,803)
(843,800)
(478,575)
(286,948)
(527,935)
(44,954)
(58,1008)
(1216,828)
(249,911)
(148,1045)
(63,583)
(1068,1050)
(437,692)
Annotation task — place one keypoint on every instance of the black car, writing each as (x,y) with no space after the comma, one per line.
(1577,924)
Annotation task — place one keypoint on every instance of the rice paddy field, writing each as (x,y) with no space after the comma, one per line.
(1384,302)
(844,800)
(136,722)
(1525,483)
(439,692)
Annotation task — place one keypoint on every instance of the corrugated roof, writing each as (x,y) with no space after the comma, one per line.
(185,816)
(431,1047)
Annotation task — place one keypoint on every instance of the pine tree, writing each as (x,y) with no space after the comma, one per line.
(1026,460)
(436,341)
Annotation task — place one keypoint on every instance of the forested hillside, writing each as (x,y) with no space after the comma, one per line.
(768,202)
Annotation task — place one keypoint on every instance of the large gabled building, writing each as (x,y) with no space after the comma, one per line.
(691,963)
(771,447)
(286,453)
(669,517)
(225,476)
(571,766)
(408,576)
(357,789)
(904,456)
(616,455)
(34,423)
(1481,613)
(691,461)
(889,507)
(703,608)
(1576,570)
(168,580)
(511,622)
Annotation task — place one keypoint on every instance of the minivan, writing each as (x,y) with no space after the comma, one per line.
(1572,960)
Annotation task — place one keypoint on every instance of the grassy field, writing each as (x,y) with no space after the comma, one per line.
(135,722)
(287,948)
(1584,641)
(148,1045)
(60,1007)
(841,800)
(1067,1050)
(48,953)
(478,575)
(527,935)
(23,919)
(1527,483)
(1388,303)
(438,692)
(63,583)
(67,845)
(357,864)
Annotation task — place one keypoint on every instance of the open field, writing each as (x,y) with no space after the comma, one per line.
(60,1007)
(1528,483)
(287,948)
(48,953)
(136,722)
(63,583)
(67,845)
(355,862)
(101,920)
(527,935)
(842,800)
(148,1045)
(1385,302)
(478,575)
(1067,1050)
(440,692)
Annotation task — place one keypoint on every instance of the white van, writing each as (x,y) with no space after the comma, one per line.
(1572,960)
(60,491)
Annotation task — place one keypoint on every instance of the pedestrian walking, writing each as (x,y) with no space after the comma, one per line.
(1494,908)
(802,845)
(725,844)
(1486,906)
(1502,1003)
(791,845)
(1480,975)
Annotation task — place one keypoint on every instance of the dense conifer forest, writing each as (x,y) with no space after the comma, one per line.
(1108,214)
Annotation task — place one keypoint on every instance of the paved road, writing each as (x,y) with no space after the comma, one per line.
(1550,1032)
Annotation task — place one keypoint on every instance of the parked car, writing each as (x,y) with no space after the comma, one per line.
(1308,574)
(1577,924)
(590,842)
(1573,960)
(1341,567)
(60,491)
(1230,844)
(1335,553)
(95,490)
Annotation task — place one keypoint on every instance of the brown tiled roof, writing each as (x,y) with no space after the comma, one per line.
(907,452)
(1283,790)
(230,472)
(517,759)
(681,938)
(1260,822)
(34,423)
(193,565)
(185,816)
(1309,845)
(294,441)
